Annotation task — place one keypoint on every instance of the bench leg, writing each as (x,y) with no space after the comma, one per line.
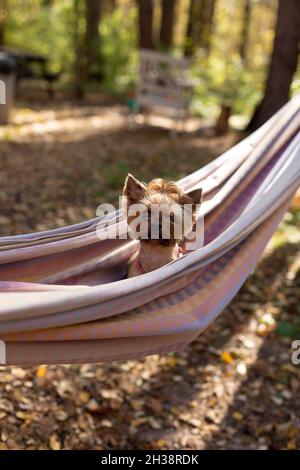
(178,123)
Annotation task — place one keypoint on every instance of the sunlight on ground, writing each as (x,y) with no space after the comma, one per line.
(76,121)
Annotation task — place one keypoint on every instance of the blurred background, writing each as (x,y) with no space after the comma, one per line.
(93,45)
(86,104)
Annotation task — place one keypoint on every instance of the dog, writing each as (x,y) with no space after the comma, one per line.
(157,213)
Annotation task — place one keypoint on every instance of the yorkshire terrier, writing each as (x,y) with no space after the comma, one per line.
(158,211)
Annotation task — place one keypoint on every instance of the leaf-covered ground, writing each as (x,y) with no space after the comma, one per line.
(235,387)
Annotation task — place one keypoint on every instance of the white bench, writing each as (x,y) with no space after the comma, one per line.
(163,85)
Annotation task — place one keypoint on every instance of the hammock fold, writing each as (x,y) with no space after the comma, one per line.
(64,297)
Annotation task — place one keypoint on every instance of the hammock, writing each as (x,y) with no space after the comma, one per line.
(63,295)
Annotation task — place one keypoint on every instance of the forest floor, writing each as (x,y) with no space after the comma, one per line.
(235,387)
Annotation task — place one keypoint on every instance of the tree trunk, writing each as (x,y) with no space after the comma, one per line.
(245,31)
(80,62)
(199,27)
(2,33)
(222,124)
(283,63)
(206,24)
(145,8)
(92,38)
(109,5)
(167,23)
(189,46)
(3,20)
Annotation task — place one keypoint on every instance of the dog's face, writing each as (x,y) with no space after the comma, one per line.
(160,212)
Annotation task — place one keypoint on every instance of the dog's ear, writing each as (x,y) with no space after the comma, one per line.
(134,190)
(195,195)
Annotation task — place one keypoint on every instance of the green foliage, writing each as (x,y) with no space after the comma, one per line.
(44,30)
(119,39)
(224,75)
(221,75)
(50,31)
(290,330)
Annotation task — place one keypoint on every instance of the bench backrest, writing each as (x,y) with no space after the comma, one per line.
(162,78)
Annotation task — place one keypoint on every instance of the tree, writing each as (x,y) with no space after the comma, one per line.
(92,38)
(283,62)
(167,23)
(80,62)
(199,27)
(3,20)
(145,8)
(190,31)
(245,30)
(206,23)
(86,43)
(109,5)
(2,32)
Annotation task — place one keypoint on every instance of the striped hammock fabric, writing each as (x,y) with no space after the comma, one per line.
(63,295)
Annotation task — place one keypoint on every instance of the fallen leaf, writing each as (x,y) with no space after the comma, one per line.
(292,445)
(54,442)
(237,416)
(227,357)
(84,397)
(241,368)
(41,372)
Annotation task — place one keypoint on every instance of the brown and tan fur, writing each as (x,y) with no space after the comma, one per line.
(153,254)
